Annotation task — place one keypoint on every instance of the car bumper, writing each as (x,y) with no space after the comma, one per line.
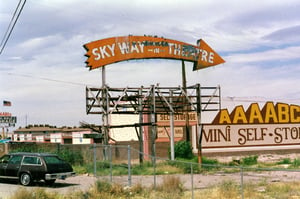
(63,176)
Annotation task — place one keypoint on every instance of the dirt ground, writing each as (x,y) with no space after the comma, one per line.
(200,181)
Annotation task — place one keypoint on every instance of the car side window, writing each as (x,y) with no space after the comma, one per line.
(4,159)
(52,160)
(16,159)
(32,160)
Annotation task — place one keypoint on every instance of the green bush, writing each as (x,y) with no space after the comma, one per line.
(296,163)
(72,157)
(285,161)
(250,160)
(183,149)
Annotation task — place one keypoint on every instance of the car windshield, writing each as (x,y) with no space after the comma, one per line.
(53,160)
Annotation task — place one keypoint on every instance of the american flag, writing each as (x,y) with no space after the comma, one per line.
(6,103)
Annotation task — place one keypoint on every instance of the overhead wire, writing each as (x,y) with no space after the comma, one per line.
(12,24)
(50,79)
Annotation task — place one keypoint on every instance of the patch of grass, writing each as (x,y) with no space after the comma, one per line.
(80,169)
(229,189)
(182,164)
(250,160)
(142,169)
(35,194)
(283,190)
(171,184)
(296,163)
(171,188)
(285,161)
(168,169)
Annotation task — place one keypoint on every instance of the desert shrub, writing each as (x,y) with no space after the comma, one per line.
(250,160)
(183,149)
(35,194)
(171,184)
(285,161)
(102,186)
(296,163)
(117,190)
(229,189)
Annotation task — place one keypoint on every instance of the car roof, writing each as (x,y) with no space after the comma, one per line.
(32,154)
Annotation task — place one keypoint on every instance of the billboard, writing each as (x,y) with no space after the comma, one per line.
(269,126)
(116,49)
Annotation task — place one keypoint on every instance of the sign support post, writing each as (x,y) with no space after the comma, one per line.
(199,127)
(172,128)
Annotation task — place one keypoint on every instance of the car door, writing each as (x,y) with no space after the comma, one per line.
(33,164)
(13,166)
(3,164)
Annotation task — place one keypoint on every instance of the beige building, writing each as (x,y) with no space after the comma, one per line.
(52,134)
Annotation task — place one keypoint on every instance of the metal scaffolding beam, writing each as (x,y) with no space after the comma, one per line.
(151,101)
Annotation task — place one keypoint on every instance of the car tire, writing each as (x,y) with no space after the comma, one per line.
(25,179)
(49,182)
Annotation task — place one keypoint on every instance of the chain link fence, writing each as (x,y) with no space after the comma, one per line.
(123,167)
(121,164)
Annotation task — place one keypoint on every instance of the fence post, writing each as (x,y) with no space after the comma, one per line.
(129,166)
(192,180)
(154,170)
(95,161)
(110,164)
(242,182)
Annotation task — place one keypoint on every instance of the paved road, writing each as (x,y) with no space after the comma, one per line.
(82,182)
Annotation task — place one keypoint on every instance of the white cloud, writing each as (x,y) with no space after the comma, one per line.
(274,55)
(43,68)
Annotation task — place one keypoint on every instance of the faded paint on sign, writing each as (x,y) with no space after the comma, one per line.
(116,49)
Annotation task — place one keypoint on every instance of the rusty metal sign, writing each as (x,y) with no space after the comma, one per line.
(116,49)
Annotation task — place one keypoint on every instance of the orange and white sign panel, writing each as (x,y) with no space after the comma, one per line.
(116,49)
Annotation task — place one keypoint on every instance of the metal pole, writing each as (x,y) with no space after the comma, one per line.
(153,137)
(154,171)
(105,108)
(103,76)
(110,163)
(153,122)
(172,128)
(242,182)
(129,166)
(141,138)
(192,180)
(95,161)
(185,109)
(199,109)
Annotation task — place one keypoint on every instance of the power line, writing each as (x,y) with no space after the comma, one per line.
(12,24)
(49,79)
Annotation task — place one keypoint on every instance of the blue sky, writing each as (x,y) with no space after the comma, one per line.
(43,74)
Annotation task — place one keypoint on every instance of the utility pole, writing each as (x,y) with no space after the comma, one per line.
(185,109)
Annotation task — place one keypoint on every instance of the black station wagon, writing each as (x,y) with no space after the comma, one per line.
(29,167)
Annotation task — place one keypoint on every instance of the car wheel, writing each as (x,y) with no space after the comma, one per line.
(49,182)
(25,179)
